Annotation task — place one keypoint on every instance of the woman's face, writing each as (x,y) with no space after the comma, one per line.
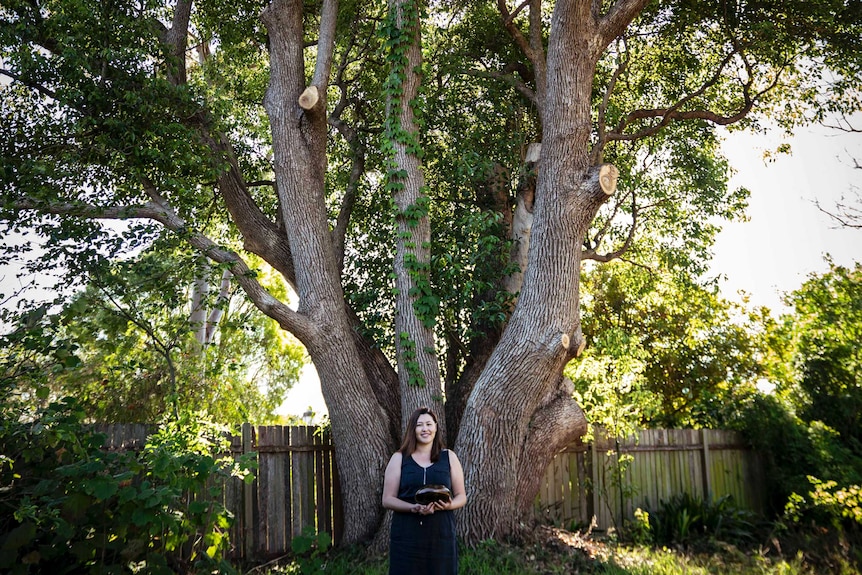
(426,429)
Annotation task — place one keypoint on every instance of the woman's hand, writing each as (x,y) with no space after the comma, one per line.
(422,509)
(442,505)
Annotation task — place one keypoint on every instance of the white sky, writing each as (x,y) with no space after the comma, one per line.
(787,236)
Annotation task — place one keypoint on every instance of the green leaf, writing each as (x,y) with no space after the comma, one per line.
(20,536)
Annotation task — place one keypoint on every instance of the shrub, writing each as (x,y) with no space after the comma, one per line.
(78,507)
(685,519)
(807,449)
(828,504)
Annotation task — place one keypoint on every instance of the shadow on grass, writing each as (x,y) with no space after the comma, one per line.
(558,552)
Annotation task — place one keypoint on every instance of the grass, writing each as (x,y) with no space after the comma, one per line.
(558,552)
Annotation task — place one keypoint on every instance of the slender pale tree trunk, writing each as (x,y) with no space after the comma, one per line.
(415,303)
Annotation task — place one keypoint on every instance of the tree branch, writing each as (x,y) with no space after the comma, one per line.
(601,124)
(539,61)
(673,112)
(260,234)
(149,210)
(38,87)
(515,12)
(162,348)
(514,31)
(160,211)
(510,79)
(845,125)
(260,183)
(846,215)
(603,231)
(177,38)
(357,162)
(325,44)
(614,23)
(592,254)
(533,48)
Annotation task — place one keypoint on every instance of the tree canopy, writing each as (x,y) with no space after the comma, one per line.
(664,351)
(426,177)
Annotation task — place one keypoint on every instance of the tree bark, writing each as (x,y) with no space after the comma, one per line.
(299,150)
(519,413)
(418,370)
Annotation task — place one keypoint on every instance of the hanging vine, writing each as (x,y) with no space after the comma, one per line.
(397,33)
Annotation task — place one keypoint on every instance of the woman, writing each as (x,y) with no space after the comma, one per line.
(422,540)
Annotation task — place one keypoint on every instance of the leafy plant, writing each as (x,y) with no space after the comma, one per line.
(77,506)
(827,503)
(639,530)
(684,519)
(309,550)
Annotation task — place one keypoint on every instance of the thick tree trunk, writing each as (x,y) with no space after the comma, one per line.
(520,412)
(360,427)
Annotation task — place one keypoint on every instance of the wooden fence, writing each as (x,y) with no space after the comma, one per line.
(608,480)
(296,485)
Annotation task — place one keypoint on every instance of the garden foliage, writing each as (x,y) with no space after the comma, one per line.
(73,506)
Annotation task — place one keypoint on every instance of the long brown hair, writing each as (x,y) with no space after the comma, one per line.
(408,444)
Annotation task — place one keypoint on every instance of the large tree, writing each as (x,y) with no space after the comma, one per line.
(313,135)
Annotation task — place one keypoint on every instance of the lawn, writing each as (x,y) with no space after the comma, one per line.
(553,551)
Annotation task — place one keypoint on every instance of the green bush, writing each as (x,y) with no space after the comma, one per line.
(806,449)
(827,504)
(309,550)
(685,519)
(71,506)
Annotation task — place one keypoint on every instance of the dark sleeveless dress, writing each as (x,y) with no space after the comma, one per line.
(423,544)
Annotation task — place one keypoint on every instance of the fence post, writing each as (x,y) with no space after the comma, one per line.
(247,497)
(707,480)
(594,477)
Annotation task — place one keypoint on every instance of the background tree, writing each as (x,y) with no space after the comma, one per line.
(689,355)
(813,411)
(138,347)
(824,327)
(134,353)
(152,112)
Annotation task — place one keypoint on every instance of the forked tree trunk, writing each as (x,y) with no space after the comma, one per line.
(521,411)
(360,426)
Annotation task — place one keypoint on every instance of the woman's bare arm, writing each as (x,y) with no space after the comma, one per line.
(391,480)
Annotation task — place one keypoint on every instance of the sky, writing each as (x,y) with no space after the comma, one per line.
(785,237)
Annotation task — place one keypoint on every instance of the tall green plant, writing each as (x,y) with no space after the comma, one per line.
(75,506)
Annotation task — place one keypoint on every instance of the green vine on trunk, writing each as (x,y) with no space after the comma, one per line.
(408,353)
(397,40)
